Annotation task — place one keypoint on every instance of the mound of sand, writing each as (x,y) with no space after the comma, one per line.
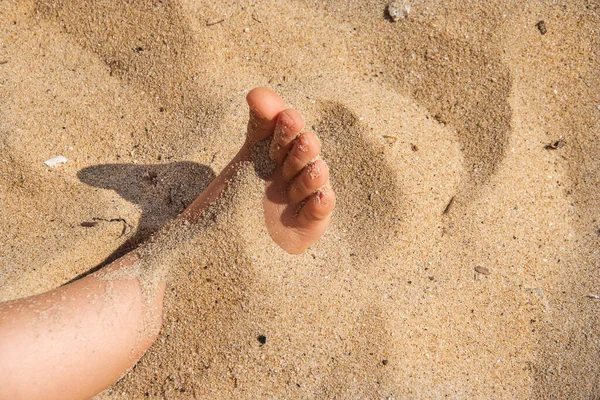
(463,144)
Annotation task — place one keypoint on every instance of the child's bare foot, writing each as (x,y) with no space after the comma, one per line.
(298,200)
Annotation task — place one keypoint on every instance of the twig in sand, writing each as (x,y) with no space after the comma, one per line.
(448,206)
(122,220)
(215,22)
(555,145)
(592,296)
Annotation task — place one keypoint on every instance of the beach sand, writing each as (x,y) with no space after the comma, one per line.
(464,147)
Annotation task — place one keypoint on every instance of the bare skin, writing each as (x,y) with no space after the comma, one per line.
(75,341)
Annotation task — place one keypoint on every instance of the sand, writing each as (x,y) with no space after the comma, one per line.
(463,144)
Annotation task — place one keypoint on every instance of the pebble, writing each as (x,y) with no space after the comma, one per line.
(54,161)
(482,270)
(398,10)
(541,25)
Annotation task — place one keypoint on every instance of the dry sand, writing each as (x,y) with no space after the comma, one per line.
(462,260)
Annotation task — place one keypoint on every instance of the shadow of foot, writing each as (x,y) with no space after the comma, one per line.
(369,198)
(161,191)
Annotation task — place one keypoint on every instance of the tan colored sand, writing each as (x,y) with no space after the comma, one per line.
(435,130)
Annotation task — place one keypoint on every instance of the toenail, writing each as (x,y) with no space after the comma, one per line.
(302,143)
(286,121)
(314,171)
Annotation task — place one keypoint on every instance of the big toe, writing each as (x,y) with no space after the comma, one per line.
(265,106)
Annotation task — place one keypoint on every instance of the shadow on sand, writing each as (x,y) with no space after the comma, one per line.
(161,191)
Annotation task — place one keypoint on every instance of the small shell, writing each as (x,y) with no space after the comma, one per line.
(54,161)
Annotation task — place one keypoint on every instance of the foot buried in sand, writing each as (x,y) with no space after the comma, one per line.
(297,204)
(298,199)
(116,312)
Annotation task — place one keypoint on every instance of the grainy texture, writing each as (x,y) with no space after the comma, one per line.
(463,143)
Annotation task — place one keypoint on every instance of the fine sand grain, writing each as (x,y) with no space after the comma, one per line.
(464,146)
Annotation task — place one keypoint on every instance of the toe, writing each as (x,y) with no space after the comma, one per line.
(289,124)
(304,149)
(265,107)
(311,178)
(318,207)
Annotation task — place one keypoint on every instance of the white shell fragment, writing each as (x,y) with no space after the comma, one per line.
(398,10)
(54,161)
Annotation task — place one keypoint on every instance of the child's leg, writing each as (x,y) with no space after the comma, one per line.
(74,341)
(78,339)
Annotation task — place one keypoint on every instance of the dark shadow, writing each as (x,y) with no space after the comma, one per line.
(161,191)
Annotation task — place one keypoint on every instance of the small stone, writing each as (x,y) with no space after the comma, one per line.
(541,25)
(262,339)
(482,270)
(398,10)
